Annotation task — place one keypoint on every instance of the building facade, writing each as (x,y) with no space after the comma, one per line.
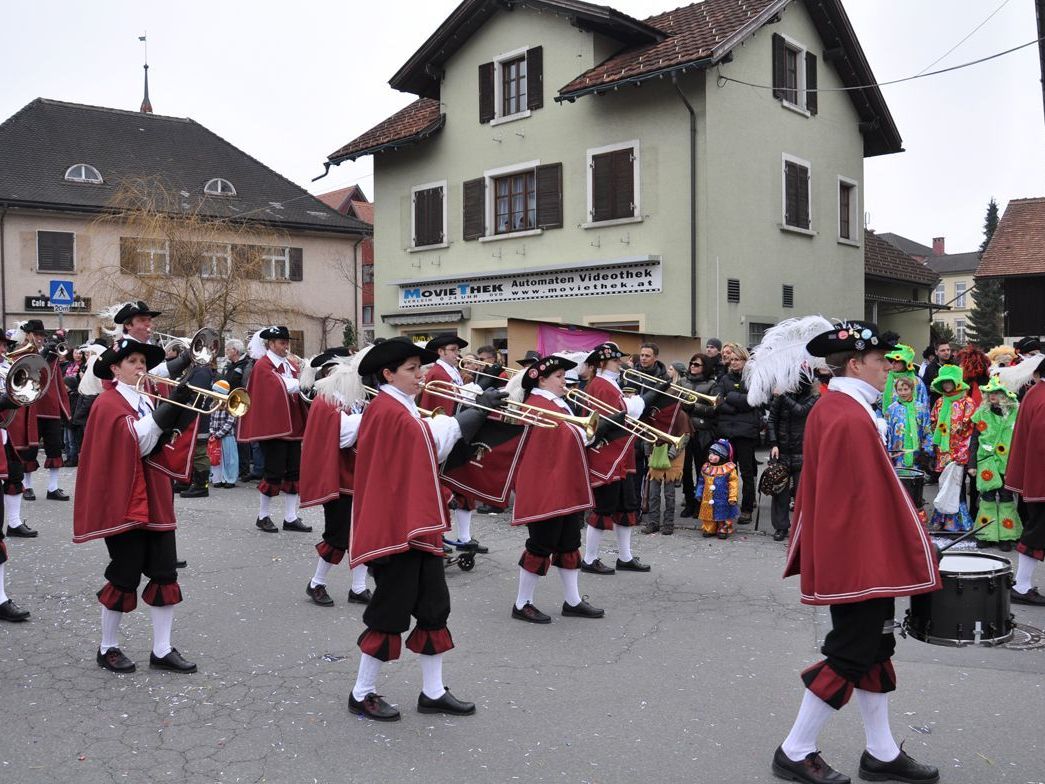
(1016,258)
(897,290)
(567,163)
(351,201)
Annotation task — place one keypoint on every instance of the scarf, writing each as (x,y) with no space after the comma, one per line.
(942,433)
(910,431)
(889,393)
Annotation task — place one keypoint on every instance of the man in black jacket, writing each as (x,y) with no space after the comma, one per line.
(236,376)
(944,356)
(786,430)
(651,366)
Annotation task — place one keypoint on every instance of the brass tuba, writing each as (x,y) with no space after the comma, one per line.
(25,382)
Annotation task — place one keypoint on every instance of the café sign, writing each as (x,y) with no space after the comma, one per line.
(630,277)
(41,302)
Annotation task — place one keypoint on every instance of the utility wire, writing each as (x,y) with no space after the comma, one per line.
(966,38)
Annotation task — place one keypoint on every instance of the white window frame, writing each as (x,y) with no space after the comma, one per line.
(960,290)
(491,199)
(51,231)
(854,210)
(152,250)
(786,158)
(498,87)
(270,257)
(413,222)
(960,330)
(636,189)
(85,177)
(220,191)
(940,293)
(363,316)
(212,255)
(799,49)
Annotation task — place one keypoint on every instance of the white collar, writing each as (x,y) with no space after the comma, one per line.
(609,375)
(860,391)
(133,396)
(406,400)
(552,397)
(275,358)
(453,372)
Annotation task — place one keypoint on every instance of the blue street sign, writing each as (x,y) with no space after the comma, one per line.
(61,292)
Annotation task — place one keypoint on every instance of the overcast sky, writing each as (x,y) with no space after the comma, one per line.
(289,83)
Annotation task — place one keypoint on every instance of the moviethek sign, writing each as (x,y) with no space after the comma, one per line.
(633,276)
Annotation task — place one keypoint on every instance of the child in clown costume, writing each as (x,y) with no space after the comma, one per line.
(952,432)
(716,491)
(993,424)
(908,425)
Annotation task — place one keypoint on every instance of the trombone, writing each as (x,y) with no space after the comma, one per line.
(470,364)
(236,402)
(677,392)
(517,413)
(641,430)
(25,382)
(424,412)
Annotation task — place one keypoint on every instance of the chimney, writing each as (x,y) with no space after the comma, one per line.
(938,246)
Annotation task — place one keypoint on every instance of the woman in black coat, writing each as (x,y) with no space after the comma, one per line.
(702,422)
(740,423)
(786,431)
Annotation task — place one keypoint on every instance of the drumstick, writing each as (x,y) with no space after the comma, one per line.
(966,535)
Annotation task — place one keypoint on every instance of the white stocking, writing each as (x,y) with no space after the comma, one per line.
(162,622)
(874,709)
(812,716)
(366,678)
(527,588)
(623,541)
(591,544)
(432,675)
(110,629)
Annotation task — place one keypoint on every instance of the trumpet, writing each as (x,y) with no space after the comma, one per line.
(517,413)
(470,365)
(204,346)
(641,430)
(236,402)
(677,392)
(25,382)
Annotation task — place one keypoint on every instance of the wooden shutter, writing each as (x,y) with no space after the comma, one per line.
(428,217)
(549,196)
(54,251)
(601,187)
(803,197)
(624,183)
(796,192)
(297,262)
(486,103)
(811,94)
(779,66)
(128,255)
(613,185)
(474,208)
(535,81)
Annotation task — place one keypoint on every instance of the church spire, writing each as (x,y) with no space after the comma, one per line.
(146,107)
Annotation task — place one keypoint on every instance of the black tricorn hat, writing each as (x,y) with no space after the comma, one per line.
(531,357)
(603,352)
(274,333)
(33,325)
(1023,345)
(132,309)
(445,339)
(121,350)
(544,367)
(851,336)
(391,351)
(330,355)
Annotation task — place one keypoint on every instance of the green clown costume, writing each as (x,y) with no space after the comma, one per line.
(993,423)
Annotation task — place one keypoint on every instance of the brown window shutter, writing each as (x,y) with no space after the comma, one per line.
(803,197)
(811,94)
(779,65)
(474,208)
(297,264)
(601,187)
(535,78)
(428,217)
(623,184)
(246,262)
(791,194)
(549,196)
(128,261)
(486,108)
(54,251)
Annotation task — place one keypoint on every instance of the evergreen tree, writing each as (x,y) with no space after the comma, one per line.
(986,321)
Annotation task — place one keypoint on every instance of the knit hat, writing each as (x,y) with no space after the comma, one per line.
(680,368)
(723,449)
(714,343)
(222,386)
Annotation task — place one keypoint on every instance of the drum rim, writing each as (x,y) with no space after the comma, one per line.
(1003,566)
(951,642)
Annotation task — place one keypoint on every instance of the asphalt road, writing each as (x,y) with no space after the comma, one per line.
(691,677)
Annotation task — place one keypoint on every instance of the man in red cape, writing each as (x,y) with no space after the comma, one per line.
(9,611)
(1026,476)
(857,543)
(126,498)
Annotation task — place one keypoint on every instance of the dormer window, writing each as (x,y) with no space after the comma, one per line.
(83,172)
(219,187)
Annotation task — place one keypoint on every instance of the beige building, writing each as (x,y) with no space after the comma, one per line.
(568,163)
(226,242)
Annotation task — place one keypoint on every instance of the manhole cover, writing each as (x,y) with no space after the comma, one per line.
(1025,638)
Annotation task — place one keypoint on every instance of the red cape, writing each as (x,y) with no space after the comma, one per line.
(553,472)
(3,461)
(54,403)
(489,472)
(429,401)
(615,460)
(1026,470)
(116,489)
(856,535)
(326,468)
(398,503)
(24,432)
(274,413)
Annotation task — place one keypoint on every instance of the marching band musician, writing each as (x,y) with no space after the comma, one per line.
(134,320)
(9,611)
(276,420)
(328,462)
(551,494)
(399,515)
(124,497)
(43,419)
(615,489)
(447,347)
(15,471)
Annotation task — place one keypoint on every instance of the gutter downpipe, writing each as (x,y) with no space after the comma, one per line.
(692,207)
(3,272)
(357,288)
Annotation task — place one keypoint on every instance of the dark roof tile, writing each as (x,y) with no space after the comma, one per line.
(412,123)
(885,261)
(1018,244)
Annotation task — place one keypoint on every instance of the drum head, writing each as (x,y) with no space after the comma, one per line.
(973,563)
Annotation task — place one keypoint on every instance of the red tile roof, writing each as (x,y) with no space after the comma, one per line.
(334,199)
(693,32)
(1018,244)
(886,261)
(363,210)
(420,119)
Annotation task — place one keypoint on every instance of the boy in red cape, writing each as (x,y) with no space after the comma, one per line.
(126,498)
(857,543)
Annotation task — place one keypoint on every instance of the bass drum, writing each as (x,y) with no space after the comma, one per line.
(972,607)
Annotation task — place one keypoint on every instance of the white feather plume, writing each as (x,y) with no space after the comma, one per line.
(256,346)
(514,387)
(1016,377)
(108,315)
(17,335)
(307,375)
(780,362)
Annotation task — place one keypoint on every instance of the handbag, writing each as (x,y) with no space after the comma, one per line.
(775,478)
(214,451)
(658,459)
(949,494)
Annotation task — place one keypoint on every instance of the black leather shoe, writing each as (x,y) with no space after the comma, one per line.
(812,770)
(744,519)
(1005,547)
(596,567)
(57,495)
(266,525)
(687,511)
(296,525)
(173,661)
(530,614)
(473,546)
(448,703)
(114,661)
(195,491)
(373,707)
(181,564)
(22,530)
(650,528)
(582,610)
(1031,597)
(363,597)
(779,535)
(9,611)
(903,768)
(634,565)
(28,494)
(319,595)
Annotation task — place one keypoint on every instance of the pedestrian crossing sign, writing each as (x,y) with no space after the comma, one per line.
(61,292)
